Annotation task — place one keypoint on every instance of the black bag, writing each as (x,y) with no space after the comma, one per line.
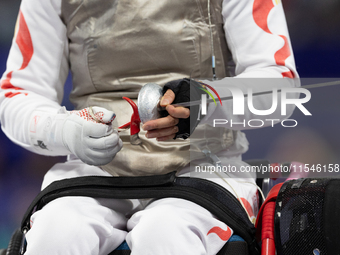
(307,217)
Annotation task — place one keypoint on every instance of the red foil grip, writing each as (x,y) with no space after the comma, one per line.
(135,120)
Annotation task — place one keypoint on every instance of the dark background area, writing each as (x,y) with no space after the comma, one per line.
(315,34)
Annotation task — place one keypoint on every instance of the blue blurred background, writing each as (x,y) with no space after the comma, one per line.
(315,34)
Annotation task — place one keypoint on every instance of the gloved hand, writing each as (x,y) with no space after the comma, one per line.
(91,137)
(186,89)
(176,122)
(88,134)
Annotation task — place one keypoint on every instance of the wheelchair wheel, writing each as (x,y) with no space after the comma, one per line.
(14,244)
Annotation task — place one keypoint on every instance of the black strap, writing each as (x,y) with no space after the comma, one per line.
(119,252)
(234,248)
(207,194)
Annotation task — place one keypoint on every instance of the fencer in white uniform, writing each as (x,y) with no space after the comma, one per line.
(112,49)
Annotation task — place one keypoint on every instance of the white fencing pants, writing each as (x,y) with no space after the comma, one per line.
(88,226)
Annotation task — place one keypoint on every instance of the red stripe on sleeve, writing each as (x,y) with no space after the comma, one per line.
(282,54)
(288,74)
(24,42)
(261,9)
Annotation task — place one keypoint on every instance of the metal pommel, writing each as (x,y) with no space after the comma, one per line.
(148,102)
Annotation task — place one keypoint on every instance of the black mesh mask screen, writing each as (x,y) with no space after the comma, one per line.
(299,217)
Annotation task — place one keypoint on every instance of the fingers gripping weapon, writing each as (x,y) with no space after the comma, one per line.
(149,106)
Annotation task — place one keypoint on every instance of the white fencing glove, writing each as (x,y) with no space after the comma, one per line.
(88,134)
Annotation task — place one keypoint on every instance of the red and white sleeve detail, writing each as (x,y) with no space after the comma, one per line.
(35,74)
(24,43)
(258,38)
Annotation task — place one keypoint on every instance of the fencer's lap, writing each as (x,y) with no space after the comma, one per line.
(88,226)
(174,226)
(78,226)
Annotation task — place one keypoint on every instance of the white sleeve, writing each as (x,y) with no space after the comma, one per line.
(257,36)
(37,68)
